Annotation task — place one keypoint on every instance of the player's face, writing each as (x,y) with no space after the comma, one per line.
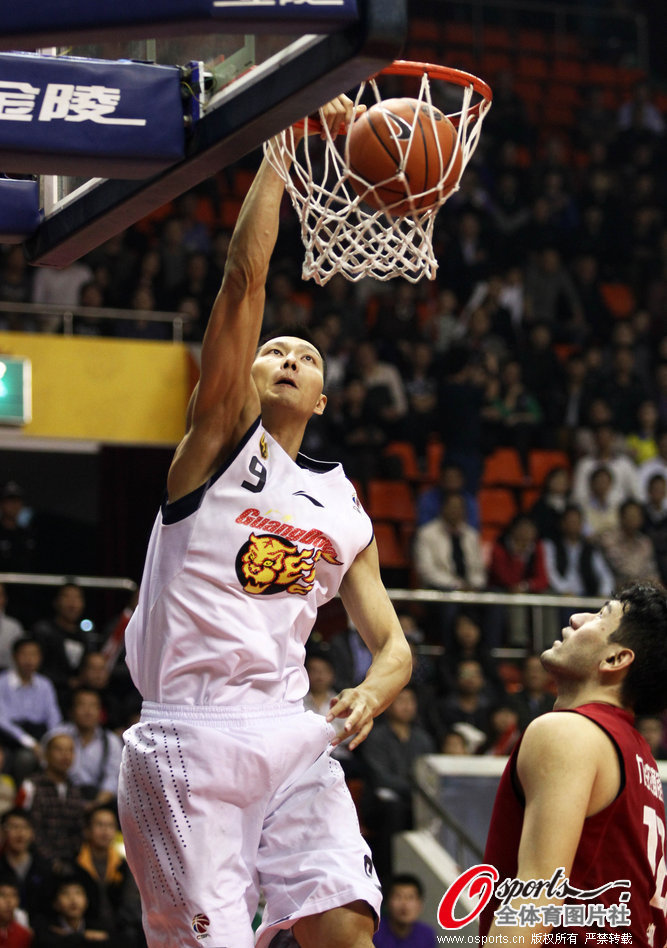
(584,643)
(288,371)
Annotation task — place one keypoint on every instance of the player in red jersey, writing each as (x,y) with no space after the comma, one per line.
(581,791)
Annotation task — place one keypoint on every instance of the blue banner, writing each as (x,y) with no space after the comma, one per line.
(44,22)
(19,209)
(89,117)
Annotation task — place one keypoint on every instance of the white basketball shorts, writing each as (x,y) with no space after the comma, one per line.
(217,803)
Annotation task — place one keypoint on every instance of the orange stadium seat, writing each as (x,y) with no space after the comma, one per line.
(391,500)
(540,462)
(406,454)
(619,299)
(390,552)
(497,505)
(503,467)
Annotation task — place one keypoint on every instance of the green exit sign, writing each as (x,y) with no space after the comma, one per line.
(15,390)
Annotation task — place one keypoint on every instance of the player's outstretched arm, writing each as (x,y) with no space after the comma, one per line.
(370,609)
(225,400)
(567,769)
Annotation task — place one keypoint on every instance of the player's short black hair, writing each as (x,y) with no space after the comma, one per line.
(406,878)
(300,332)
(643,628)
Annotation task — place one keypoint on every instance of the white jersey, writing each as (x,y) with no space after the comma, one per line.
(234,575)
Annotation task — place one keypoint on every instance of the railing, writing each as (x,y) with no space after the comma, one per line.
(536,603)
(68,314)
(58,579)
(465,844)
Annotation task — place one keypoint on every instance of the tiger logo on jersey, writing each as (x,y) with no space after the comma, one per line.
(267,564)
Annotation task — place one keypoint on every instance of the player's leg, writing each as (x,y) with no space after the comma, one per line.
(350,926)
(190,838)
(314,866)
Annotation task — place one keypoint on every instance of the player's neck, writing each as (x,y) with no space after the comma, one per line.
(287,432)
(573,694)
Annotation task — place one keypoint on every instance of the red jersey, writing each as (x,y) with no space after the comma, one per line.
(626,840)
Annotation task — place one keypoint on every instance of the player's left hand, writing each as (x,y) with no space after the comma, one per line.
(353,705)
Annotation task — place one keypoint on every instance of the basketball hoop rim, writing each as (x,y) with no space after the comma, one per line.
(405,67)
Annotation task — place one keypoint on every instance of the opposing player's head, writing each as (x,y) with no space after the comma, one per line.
(621,649)
(643,628)
(289,371)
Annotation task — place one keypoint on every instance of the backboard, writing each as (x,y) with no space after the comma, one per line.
(259,82)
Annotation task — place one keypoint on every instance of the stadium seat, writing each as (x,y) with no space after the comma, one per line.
(390,550)
(503,468)
(541,462)
(391,500)
(497,506)
(406,454)
(619,299)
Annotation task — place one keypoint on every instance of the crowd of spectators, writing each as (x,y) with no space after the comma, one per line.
(519,342)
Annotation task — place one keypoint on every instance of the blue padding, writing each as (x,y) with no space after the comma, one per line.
(19,209)
(88,117)
(75,16)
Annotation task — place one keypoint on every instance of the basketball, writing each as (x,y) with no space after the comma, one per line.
(382,144)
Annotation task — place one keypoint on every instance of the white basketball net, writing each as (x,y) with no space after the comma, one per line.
(340,233)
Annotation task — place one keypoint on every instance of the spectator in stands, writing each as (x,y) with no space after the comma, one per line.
(460,398)
(448,552)
(10,630)
(17,540)
(97,750)
(652,729)
(421,391)
(94,676)
(7,785)
(61,287)
(468,703)
(588,284)
(112,892)
(629,551)
(389,752)
(383,382)
(600,512)
(624,389)
(642,441)
(542,372)
(400,925)
(357,431)
(654,465)
(450,480)
(16,287)
(551,298)
(12,933)
(655,520)
(640,113)
(28,706)
(20,861)
(552,502)
(454,743)
(623,471)
(69,925)
(467,644)
(63,639)
(321,692)
(534,696)
(55,805)
(571,400)
(350,657)
(518,413)
(503,731)
(574,566)
(517,565)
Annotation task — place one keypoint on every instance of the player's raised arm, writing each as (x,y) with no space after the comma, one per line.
(370,609)
(225,402)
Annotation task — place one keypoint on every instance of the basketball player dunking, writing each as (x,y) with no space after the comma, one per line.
(227,785)
(581,793)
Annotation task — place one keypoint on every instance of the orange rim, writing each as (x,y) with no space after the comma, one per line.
(403,67)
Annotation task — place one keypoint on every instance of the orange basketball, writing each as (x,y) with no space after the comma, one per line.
(382,144)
